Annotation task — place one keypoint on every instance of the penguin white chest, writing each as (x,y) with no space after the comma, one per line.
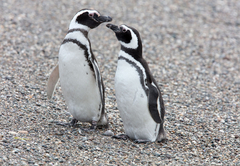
(133,103)
(78,84)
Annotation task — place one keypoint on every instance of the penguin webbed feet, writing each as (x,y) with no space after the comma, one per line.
(71,124)
(125,137)
(121,136)
(162,140)
(140,141)
(92,127)
(63,124)
(103,126)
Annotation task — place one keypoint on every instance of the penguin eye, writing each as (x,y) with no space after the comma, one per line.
(91,14)
(124,30)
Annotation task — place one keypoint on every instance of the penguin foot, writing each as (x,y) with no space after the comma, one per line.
(63,124)
(92,127)
(121,136)
(102,126)
(73,122)
(139,141)
(162,140)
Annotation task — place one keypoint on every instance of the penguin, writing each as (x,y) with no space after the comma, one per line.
(79,74)
(138,96)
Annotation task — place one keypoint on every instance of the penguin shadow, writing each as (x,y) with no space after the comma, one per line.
(124,137)
(86,128)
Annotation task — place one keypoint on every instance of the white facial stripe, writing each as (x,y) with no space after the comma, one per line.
(94,12)
(134,42)
(73,23)
(89,11)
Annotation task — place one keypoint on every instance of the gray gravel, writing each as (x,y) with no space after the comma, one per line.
(193,50)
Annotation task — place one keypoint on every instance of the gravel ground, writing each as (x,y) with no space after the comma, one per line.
(193,50)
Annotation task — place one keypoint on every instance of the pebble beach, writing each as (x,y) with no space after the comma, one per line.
(192,49)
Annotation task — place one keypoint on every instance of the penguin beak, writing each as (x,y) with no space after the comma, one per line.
(101,19)
(114,28)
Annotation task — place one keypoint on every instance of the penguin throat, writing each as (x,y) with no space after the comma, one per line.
(135,53)
(83,31)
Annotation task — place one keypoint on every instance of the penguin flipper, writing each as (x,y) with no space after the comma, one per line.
(52,81)
(155,108)
(99,82)
(103,121)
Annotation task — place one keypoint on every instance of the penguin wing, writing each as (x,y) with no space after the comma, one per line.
(99,82)
(154,104)
(52,81)
(155,101)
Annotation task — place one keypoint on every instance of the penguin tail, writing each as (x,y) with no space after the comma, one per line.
(52,81)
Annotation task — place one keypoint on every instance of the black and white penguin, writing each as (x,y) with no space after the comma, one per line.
(138,96)
(80,77)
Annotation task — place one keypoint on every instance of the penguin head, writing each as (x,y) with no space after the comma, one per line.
(127,36)
(88,19)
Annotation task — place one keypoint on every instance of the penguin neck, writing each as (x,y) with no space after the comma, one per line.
(136,53)
(83,31)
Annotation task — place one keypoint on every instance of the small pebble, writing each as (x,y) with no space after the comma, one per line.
(13,132)
(16,150)
(156,154)
(84,139)
(108,133)
(23,132)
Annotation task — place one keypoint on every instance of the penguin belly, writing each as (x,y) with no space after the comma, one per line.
(78,84)
(132,103)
